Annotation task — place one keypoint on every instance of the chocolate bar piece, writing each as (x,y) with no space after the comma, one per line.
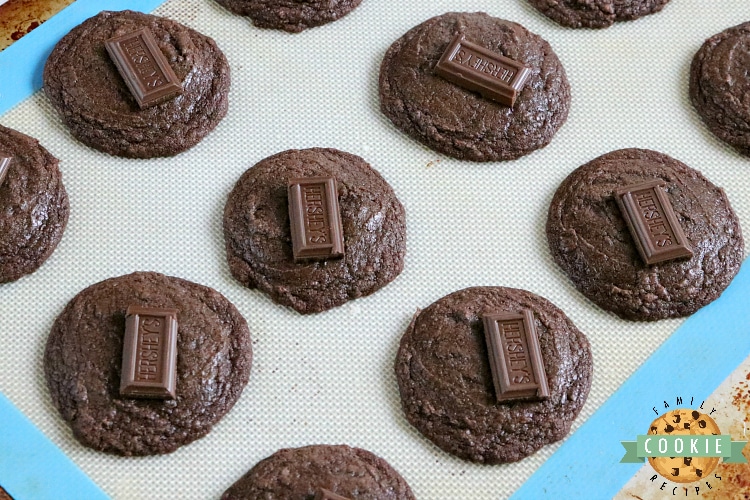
(143,67)
(652,222)
(515,357)
(149,353)
(475,68)
(324,494)
(315,218)
(5,161)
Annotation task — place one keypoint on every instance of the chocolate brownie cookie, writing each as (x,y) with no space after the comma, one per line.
(446,385)
(720,85)
(307,473)
(459,122)
(290,15)
(34,206)
(93,100)
(84,354)
(590,240)
(596,13)
(259,241)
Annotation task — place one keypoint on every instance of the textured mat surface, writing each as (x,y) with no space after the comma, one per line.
(328,378)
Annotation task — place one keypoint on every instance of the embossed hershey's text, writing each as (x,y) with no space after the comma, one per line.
(142,63)
(651,211)
(519,362)
(149,360)
(316,218)
(467,58)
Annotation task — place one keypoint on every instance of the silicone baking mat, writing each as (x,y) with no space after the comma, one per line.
(328,378)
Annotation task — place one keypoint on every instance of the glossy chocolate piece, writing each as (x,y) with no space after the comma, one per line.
(515,357)
(652,222)
(475,68)
(149,353)
(143,67)
(324,494)
(5,161)
(315,218)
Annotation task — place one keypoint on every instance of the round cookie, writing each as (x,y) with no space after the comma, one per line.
(290,15)
(258,238)
(461,123)
(596,13)
(34,206)
(300,473)
(83,359)
(93,101)
(445,381)
(683,422)
(720,86)
(590,240)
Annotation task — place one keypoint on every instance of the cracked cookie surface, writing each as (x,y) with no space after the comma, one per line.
(258,237)
(596,13)
(290,15)
(93,101)
(299,473)
(34,205)
(83,360)
(444,378)
(458,122)
(590,240)
(720,86)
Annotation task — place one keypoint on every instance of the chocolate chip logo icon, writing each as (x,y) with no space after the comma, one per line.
(687,423)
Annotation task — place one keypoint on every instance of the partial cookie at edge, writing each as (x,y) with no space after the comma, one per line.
(290,15)
(596,13)
(300,472)
(34,205)
(720,84)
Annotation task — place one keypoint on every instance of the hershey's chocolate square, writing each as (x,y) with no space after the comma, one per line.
(478,69)
(652,222)
(149,353)
(315,218)
(515,358)
(144,68)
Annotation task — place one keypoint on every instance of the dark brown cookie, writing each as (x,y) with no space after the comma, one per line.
(290,15)
(596,13)
(259,244)
(447,393)
(94,102)
(83,360)
(720,86)
(459,122)
(590,240)
(628,10)
(33,205)
(299,474)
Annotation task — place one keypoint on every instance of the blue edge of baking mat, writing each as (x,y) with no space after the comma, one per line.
(21,79)
(585,466)
(31,467)
(691,363)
